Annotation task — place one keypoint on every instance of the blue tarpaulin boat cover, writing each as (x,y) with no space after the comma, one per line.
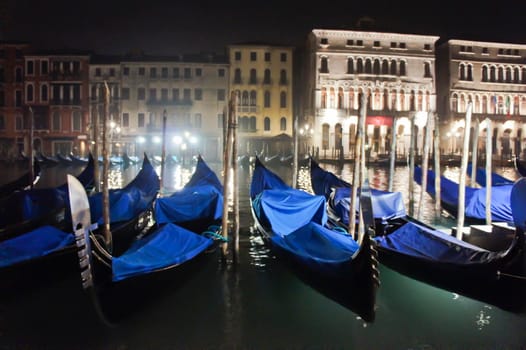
(475,198)
(37,243)
(203,175)
(286,210)
(518,203)
(386,205)
(170,245)
(430,244)
(130,201)
(198,202)
(480,177)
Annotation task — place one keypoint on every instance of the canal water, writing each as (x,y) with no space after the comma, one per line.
(257,303)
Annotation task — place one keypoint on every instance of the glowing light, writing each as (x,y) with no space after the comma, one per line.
(177,140)
(421,119)
(141,139)
(193,139)
(156,139)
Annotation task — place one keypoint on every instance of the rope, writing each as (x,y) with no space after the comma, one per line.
(499,274)
(339,229)
(215,235)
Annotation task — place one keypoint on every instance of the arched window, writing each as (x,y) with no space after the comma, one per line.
(340,98)
(29,93)
(56,121)
(252,126)
(492,74)
(324,65)
(237,76)
(376,67)
(462,71)
(500,77)
(368,66)
(266,79)
(350,66)
(359,66)
(402,68)
(470,73)
(427,70)
(323,102)
(253,76)
(484,105)
(325,136)
(266,101)
(393,67)
(419,101)
(385,67)
(508,75)
(351,100)
(283,124)
(338,136)
(244,98)
(253,97)
(283,77)
(243,123)
(283,99)
(516,78)
(332,98)
(266,124)
(484,73)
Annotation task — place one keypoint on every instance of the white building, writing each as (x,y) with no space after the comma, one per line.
(396,71)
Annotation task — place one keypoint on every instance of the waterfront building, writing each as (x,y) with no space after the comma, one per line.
(395,71)
(14,136)
(190,90)
(492,76)
(261,76)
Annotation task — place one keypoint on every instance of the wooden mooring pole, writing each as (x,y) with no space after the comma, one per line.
(392,156)
(489,157)
(436,145)
(425,164)
(462,174)
(360,136)
(105,170)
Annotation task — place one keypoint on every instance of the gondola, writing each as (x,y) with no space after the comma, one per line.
(420,251)
(48,161)
(78,160)
(475,199)
(23,182)
(24,211)
(292,223)
(197,205)
(64,160)
(47,247)
(387,206)
(519,166)
(480,177)
(166,255)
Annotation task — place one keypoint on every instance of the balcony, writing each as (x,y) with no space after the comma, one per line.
(65,76)
(247,109)
(63,102)
(172,103)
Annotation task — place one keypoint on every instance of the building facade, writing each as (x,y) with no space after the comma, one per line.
(492,76)
(261,76)
(14,134)
(395,71)
(191,91)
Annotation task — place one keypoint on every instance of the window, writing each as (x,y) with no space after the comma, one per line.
(30,70)
(141,93)
(359,42)
(350,66)
(175,95)
(97,72)
(76,121)
(220,120)
(153,95)
(350,42)
(325,136)
(187,94)
(485,51)
(125,120)
(197,120)
(376,44)
(55,121)
(175,73)
(125,93)
(324,65)
(266,124)
(253,78)
(253,56)
(19,123)
(44,67)
(2,122)
(221,72)
(283,99)
(18,98)
(283,124)
(164,72)
(266,77)
(283,57)
(187,73)
(29,93)
(267,56)
(237,76)
(402,45)
(18,75)
(402,68)
(43,93)
(266,102)
(164,95)
(112,72)
(153,72)
(198,94)
(140,120)
(427,47)
(283,77)
(141,71)
(221,95)
(393,45)
(237,55)
(427,70)
(126,71)
(324,41)
(198,72)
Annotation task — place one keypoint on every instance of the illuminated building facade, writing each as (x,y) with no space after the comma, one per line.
(395,71)
(261,77)
(492,76)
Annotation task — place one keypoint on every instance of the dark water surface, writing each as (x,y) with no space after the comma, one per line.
(258,303)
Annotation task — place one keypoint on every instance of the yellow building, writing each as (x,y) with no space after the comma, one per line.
(261,77)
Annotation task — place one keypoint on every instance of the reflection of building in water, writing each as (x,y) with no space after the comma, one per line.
(492,76)
(395,71)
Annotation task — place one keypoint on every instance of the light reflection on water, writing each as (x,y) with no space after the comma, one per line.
(265,306)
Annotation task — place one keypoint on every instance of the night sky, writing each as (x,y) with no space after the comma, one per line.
(172,27)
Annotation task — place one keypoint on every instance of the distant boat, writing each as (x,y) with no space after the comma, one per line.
(480,177)
(23,182)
